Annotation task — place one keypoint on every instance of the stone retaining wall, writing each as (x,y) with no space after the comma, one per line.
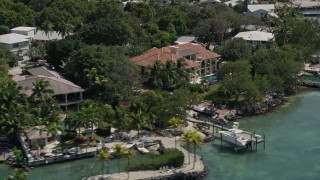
(182,176)
(309,83)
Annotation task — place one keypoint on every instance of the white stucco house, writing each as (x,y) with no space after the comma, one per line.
(255,37)
(43,37)
(260,10)
(15,42)
(27,31)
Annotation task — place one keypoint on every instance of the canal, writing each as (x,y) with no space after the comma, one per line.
(292,148)
(292,144)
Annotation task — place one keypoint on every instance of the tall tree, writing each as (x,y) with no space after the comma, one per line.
(119,150)
(175,123)
(196,140)
(236,49)
(111,64)
(129,153)
(108,31)
(103,156)
(187,138)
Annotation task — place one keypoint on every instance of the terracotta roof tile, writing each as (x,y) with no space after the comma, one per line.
(148,58)
(201,51)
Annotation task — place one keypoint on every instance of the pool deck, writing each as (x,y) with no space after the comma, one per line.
(168,143)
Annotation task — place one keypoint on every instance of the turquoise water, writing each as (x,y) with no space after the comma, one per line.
(292,145)
(73,170)
(292,149)
(311,78)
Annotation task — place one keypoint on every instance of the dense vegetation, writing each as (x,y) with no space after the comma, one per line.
(170,157)
(101,37)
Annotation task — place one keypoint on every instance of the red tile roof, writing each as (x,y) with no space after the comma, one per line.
(148,58)
(201,51)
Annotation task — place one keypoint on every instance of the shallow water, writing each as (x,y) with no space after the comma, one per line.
(292,149)
(292,145)
(73,170)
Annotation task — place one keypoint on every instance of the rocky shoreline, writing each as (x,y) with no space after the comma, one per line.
(183,176)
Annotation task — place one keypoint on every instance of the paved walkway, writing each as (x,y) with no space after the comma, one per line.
(168,143)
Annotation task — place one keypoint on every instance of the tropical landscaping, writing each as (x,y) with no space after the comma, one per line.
(102,36)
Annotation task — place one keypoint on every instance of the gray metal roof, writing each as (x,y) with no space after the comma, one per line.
(43,36)
(58,85)
(43,71)
(35,133)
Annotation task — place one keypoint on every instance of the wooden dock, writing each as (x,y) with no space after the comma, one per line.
(253,138)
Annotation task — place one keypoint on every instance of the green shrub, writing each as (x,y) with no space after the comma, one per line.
(103,131)
(68,135)
(170,157)
(195,88)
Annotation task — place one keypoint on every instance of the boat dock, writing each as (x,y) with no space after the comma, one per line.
(253,138)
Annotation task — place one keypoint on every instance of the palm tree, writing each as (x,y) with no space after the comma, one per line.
(168,74)
(196,140)
(155,73)
(175,123)
(120,117)
(129,153)
(119,150)
(181,70)
(54,128)
(19,174)
(139,120)
(103,156)
(40,90)
(76,121)
(187,138)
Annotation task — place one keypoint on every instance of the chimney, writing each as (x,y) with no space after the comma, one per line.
(174,50)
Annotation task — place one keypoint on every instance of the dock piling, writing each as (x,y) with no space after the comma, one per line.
(220,141)
(264,142)
(251,141)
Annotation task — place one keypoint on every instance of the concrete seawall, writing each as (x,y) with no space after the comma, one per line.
(184,172)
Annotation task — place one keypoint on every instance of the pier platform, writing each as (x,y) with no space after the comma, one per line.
(253,138)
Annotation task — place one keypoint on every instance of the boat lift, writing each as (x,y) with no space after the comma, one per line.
(252,138)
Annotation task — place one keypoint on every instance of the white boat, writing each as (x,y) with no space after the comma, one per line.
(233,136)
(129,145)
(143,150)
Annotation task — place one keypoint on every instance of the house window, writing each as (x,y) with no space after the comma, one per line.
(15,45)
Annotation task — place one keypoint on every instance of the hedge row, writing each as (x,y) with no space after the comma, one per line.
(68,135)
(170,157)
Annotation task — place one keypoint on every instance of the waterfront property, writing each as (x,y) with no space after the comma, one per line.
(261,10)
(67,94)
(199,61)
(36,137)
(15,42)
(27,31)
(43,37)
(255,37)
(185,40)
